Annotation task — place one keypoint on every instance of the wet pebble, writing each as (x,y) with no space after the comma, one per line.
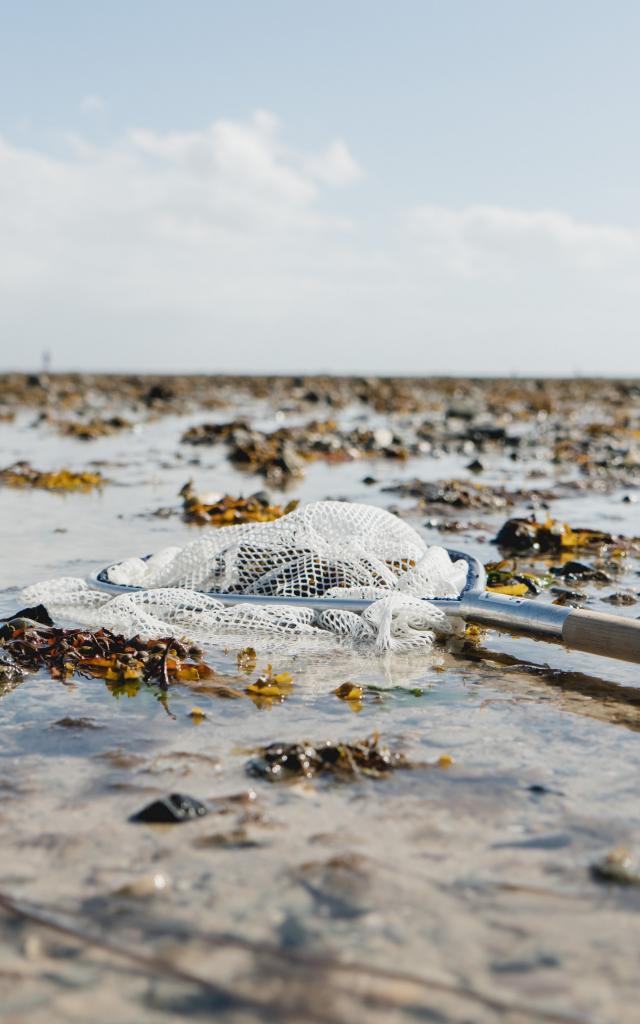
(170,810)
(144,886)
(619,866)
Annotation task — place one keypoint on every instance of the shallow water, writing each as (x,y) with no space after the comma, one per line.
(469,888)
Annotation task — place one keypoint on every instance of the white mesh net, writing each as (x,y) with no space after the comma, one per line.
(327,549)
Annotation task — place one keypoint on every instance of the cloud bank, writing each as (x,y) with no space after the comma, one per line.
(230,249)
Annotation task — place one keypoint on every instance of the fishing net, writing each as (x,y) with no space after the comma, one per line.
(326,549)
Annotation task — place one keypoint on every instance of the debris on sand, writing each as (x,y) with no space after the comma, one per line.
(213,510)
(279,762)
(22,474)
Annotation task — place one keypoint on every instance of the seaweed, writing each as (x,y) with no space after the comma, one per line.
(522,419)
(213,510)
(279,762)
(118,660)
(280,455)
(271,685)
(552,536)
(349,692)
(503,578)
(93,428)
(454,493)
(127,664)
(246,659)
(23,475)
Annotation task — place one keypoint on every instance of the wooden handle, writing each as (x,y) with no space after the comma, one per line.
(598,633)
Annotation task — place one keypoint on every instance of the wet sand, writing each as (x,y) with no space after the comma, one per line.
(454,893)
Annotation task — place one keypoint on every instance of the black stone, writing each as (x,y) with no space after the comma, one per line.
(579,571)
(170,810)
(37,614)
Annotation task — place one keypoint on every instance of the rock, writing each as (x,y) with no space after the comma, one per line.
(579,571)
(619,866)
(620,598)
(37,614)
(144,887)
(170,810)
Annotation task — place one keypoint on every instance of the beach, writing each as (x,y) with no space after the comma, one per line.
(493,875)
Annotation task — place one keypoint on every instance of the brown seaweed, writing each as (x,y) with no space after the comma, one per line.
(279,762)
(229,511)
(23,475)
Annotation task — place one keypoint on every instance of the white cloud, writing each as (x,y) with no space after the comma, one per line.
(188,205)
(93,104)
(488,239)
(218,249)
(335,166)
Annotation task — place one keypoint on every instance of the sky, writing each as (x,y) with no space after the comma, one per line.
(401,187)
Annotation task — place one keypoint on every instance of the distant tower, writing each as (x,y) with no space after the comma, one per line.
(46,361)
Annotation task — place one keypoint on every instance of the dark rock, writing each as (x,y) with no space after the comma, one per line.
(571,597)
(159,393)
(553,841)
(170,810)
(480,434)
(620,598)
(579,571)
(37,614)
(538,789)
(76,723)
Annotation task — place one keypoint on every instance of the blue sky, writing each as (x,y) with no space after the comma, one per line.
(395,187)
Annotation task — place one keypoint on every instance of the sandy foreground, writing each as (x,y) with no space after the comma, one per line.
(469,887)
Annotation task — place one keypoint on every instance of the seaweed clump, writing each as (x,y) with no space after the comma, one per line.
(280,762)
(102,654)
(206,510)
(502,578)
(126,664)
(552,536)
(280,455)
(22,474)
(93,428)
